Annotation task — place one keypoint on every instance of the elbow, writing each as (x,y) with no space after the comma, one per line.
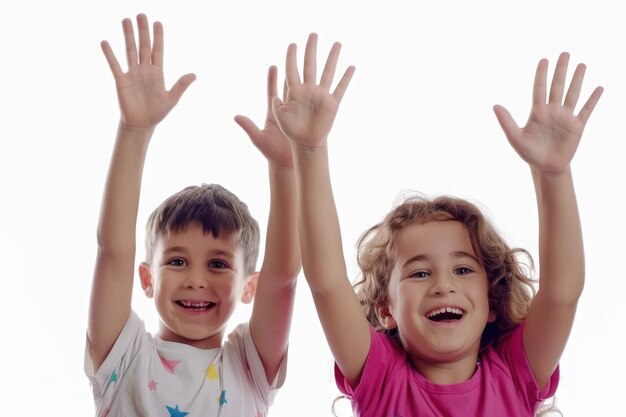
(565,294)
(290,276)
(281,281)
(283,272)
(109,248)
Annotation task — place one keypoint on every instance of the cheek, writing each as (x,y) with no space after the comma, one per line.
(164,283)
(480,295)
(406,297)
(229,286)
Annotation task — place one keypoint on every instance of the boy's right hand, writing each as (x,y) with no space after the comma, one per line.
(141,92)
(309,109)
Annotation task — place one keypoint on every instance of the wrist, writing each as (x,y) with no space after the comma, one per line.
(280,169)
(551,175)
(136,132)
(304,152)
(309,162)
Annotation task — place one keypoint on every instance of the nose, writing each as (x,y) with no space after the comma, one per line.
(194,279)
(192,282)
(443,284)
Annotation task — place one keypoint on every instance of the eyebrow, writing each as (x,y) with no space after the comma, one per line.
(415,258)
(463,254)
(455,254)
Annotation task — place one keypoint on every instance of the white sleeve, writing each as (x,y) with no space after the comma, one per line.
(241,340)
(126,346)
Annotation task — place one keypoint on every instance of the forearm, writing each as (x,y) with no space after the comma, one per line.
(561,252)
(282,247)
(320,236)
(338,307)
(118,215)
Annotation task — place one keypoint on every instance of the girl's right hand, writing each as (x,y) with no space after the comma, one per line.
(308,112)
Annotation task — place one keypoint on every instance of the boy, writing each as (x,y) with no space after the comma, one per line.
(201,251)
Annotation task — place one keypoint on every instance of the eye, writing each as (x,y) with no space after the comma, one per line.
(420,274)
(463,270)
(177,262)
(217,264)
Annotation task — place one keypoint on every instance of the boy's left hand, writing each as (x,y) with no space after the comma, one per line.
(551,136)
(271,141)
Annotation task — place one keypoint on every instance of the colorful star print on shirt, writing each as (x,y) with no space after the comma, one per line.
(212,373)
(142,376)
(113,378)
(169,364)
(152,385)
(175,412)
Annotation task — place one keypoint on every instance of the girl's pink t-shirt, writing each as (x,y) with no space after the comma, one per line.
(502,386)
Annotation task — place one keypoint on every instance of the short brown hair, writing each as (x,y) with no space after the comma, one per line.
(510,284)
(212,207)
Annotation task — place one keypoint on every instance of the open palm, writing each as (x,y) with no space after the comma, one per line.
(552,133)
(309,110)
(271,141)
(141,92)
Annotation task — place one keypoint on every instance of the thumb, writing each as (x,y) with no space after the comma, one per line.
(276,104)
(278,111)
(249,127)
(181,86)
(507,123)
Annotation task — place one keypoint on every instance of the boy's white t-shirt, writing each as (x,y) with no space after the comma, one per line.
(146,376)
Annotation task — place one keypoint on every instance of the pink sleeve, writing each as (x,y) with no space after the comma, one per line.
(380,362)
(511,349)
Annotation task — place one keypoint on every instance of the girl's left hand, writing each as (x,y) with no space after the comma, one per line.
(552,133)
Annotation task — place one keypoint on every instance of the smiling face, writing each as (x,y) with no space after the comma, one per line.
(437,294)
(196,281)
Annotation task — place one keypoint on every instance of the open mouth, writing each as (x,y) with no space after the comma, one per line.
(195,305)
(446,314)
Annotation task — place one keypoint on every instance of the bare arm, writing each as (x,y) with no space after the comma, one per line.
(273,304)
(306,117)
(548,143)
(144,102)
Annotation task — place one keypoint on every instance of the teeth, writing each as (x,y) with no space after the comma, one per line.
(195,304)
(442,310)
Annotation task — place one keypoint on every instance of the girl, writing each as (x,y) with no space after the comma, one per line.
(449,328)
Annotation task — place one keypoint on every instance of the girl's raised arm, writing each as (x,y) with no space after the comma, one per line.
(548,143)
(306,117)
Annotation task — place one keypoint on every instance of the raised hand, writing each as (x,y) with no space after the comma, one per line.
(552,133)
(141,92)
(309,109)
(271,141)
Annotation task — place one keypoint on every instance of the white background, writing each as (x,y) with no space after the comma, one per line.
(417,115)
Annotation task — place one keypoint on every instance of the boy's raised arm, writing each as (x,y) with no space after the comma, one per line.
(306,117)
(143,102)
(548,143)
(273,302)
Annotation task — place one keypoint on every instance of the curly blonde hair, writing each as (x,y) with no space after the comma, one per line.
(511,286)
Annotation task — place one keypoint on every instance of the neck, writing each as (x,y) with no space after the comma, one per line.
(446,372)
(212,342)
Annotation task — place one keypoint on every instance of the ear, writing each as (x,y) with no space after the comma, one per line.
(386,318)
(145,276)
(250,288)
(491,317)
